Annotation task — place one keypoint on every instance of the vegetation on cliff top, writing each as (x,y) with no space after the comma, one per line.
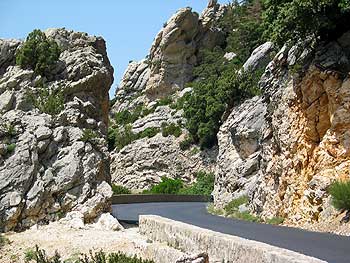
(294,20)
(38,53)
(218,85)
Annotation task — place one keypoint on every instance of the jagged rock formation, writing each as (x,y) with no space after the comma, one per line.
(300,146)
(46,168)
(172,57)
(239,156)
(164,73)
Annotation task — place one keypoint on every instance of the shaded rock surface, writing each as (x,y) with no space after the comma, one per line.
(46,169)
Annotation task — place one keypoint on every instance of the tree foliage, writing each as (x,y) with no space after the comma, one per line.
(218,83)
(49,101)
(38,53)
(294,20)
(340,192)
(204,185)
(205,106)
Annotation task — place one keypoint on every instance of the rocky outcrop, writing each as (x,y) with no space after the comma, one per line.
(173,54)
(144,162)
(53,164)
(238,162)
(131,88)
(163,74)
(301,141)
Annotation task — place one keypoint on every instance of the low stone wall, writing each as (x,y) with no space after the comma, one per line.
(220,247)
(130,199)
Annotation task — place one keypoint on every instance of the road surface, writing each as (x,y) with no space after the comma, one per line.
(328,247)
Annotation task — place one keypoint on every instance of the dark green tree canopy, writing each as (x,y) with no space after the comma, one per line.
(38,53)
(294,20)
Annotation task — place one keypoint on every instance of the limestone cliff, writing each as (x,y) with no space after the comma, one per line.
(164,74)
(53,164)
(284,149)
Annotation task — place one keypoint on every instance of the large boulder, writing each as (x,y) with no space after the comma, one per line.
(48,169)
(239,156)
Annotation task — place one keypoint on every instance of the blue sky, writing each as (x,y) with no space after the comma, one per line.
(129,27)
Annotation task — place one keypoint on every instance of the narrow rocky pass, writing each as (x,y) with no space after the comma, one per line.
(245,105)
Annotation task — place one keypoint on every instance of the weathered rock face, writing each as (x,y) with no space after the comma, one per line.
(239,151)
(172,57)
(131,88)
(144,162)
(302,141)
(163,73)
(46,168)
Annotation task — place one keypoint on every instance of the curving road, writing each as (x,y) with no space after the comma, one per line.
(328,247)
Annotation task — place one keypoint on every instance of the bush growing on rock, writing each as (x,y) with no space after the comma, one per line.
(340,192)
(38,53)
(294,20)
(148,133)
(186,143)
(203,186)
(48,101)
(205,106)
(166,186)
(10,148)
(120,190)
(89,136)
(171,129)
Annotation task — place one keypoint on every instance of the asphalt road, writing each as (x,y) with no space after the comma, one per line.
(328,247)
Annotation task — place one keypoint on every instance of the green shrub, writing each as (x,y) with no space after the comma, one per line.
(126,117)
(205,106)
(9,130)
(124,137)
(275,220)
(244,27)
(164,101)
(148,133)
(11,148)
(340,192)
(232,207)
(120,190)
(246,216)
(101,257)
(166,186)
(186,143)
(171,129)
(294,20)
(38,53)
(195,150)
(39,256)
(48,101)
(214,210)
(204,185)
(29,255)
(89,136)
(121,137)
